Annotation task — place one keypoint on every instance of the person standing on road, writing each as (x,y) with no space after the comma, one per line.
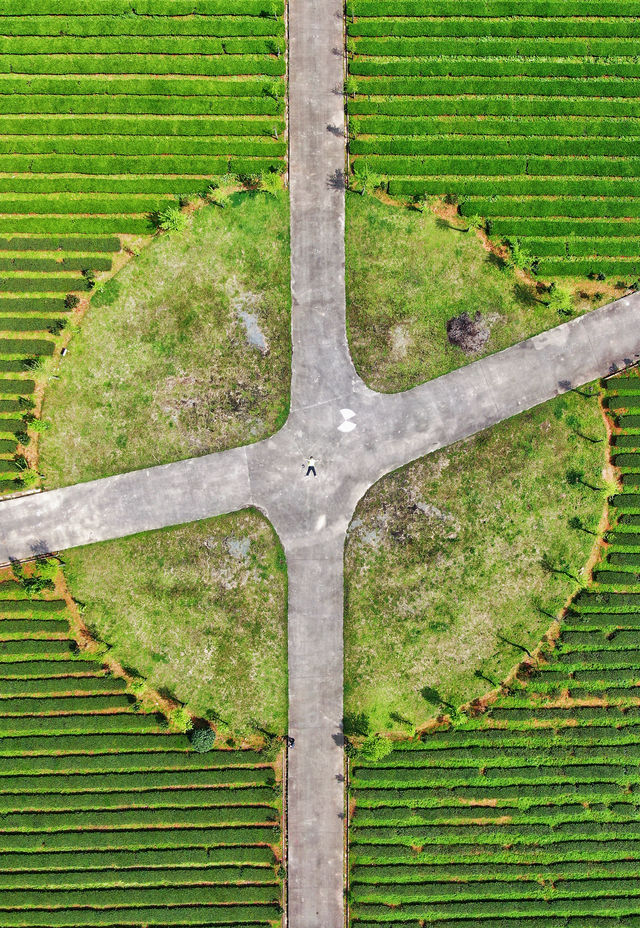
(311,467)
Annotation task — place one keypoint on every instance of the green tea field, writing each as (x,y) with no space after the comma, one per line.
(108,114)
(526,810)
(108,818)
(526,113)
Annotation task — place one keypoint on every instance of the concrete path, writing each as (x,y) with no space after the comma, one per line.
(355,435)
(384,431)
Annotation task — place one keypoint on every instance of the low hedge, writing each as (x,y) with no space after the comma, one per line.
(139,783)
(119,859)
(25,304)
(136,146)
(202,65)
(181,874)
(43,12)
(174,87)
(144,104)
(253,798)
(169,127)
(133,839)
(51,265)
(26,346)
(107,243)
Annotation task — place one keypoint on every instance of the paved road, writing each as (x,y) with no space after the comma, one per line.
(356,436)
(388,430)
(322,370)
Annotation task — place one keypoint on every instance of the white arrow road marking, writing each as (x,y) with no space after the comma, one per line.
(347,426)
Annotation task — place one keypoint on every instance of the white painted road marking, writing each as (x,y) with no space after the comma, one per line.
(347,425)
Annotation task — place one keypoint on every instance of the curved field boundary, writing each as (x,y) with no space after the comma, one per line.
(108,818)
(109,114)
(527,809)
(526,112)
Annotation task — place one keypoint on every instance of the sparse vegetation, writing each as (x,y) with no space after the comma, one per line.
(459,562)
(200,612)
(162,368)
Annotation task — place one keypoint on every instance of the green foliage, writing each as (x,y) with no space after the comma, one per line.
(561,301)
(375,748)
(181,719)
(552,761)
(170,219)
(97,790)
(518,256)
(517,111)
(38,425)
(202,740)
(271,182)
(29,478)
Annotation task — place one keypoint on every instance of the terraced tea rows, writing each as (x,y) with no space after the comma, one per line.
(528,810)
(107,818)
(108,114)
(528,112)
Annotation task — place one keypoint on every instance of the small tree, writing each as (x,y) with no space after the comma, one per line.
(518,257)
(90,277)
(561,301)
(369,180)
(28,478)
(71,301)
(38,425)
(202,739)
(57,326)
(48,567)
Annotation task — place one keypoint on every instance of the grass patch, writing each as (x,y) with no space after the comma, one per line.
(408,273)
(200,611)
(162,369)
(445,560)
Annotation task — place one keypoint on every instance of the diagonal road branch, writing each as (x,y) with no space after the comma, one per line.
(355,435)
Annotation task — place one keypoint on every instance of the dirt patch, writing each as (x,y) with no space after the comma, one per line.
(469,334)
(399,342)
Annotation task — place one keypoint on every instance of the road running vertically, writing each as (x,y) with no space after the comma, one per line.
(322,372)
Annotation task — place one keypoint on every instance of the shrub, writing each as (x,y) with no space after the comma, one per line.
(71,300)
(29,478)
(270,182)
(38,425)
(202,739)
(170,219)
(375,748)
(561,300)
(90,277)
(57,326)
(181,719)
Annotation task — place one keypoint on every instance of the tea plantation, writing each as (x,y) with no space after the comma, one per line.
(528,111)
(109,112)
(107,818)
(528,809)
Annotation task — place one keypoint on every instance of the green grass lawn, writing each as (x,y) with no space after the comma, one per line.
(200,611)
(161,368)
(407,274)
(444,560)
